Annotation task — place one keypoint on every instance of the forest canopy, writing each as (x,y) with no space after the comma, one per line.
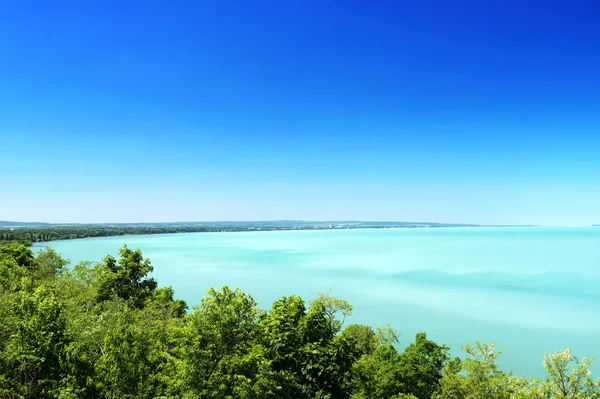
(108,330)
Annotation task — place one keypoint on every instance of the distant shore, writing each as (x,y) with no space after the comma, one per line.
(29,233)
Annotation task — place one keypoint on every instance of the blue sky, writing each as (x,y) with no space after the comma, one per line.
(461,111)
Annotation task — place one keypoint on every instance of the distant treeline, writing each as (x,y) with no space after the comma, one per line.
(29,235)
(107,330)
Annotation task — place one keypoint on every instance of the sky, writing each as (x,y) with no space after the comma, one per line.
(440,111)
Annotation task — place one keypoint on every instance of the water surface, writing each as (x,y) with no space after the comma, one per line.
(531,290)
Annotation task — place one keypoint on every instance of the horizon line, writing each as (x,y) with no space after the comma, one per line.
(466,224)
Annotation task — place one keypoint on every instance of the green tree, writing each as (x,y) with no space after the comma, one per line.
(164,300)
(218,355)
(106,331)
(128,278)
(12,274)
(386,373)
(134,352)
(568,377)
(20,253)
(422,363)
(364,338)
(303,346)
(32,342)
(49,263)
(334,309)
(479,376)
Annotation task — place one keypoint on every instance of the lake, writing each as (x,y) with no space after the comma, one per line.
(529,289)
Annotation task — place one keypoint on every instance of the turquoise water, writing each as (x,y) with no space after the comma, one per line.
(531,290)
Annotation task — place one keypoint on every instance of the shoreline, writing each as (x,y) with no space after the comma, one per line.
(276,229)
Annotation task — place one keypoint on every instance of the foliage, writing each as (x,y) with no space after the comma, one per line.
(386,373)
(218,339)
(569,378)
(480,377)
(29,235)
(333,308)
(22,255)
(127,279)
(108,331)
(363,337)
(32,341)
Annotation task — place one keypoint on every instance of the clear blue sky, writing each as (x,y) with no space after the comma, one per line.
(450,111)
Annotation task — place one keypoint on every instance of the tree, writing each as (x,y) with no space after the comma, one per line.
(364,338)
(163,299)
(134,351)
(49,263)
(335,310)
(479,376)
(107,331)
(303,346)
(128,279)
(568,377)
(218,341)
(12,274)
(422,363)
(32,342)
(20,253)
(386,373)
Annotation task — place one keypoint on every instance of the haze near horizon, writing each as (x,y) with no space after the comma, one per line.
(462,112)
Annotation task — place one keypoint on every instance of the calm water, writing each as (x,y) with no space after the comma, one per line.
(531,290)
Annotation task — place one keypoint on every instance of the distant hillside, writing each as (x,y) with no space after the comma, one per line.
(4,223)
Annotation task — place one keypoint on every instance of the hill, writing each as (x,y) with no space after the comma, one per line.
(4,223)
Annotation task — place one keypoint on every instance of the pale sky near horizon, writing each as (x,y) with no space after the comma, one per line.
(457,112)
